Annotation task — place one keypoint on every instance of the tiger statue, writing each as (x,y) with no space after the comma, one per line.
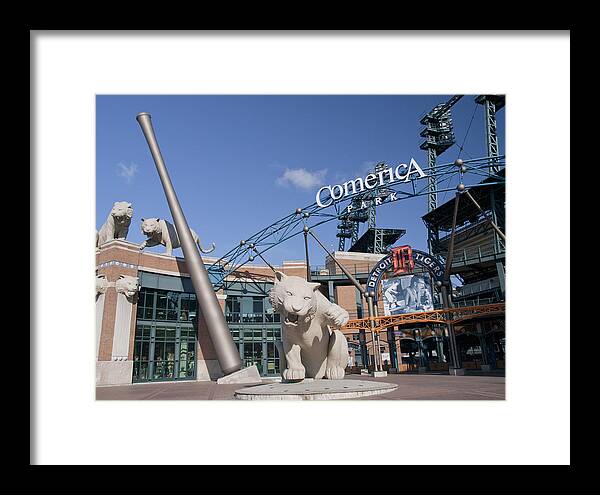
(117,223)
(159,231)
(128,286)
(313,345)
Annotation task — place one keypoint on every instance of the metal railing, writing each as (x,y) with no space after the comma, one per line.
(478,301)
(476,253)
(477,287)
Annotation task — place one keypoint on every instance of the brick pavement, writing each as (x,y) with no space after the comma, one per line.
(410,387)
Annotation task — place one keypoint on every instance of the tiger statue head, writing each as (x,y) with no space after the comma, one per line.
(150,226)
(127,285)
(294,298)
(121,212)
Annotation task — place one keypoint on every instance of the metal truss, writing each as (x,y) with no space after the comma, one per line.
(314,216)
(439,136)
(442,316)
(492,133)
(491,104)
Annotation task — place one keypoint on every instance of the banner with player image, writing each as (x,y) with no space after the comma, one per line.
(407,294)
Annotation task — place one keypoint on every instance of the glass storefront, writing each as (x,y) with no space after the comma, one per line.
(254,326)
(165,337)
(164,352)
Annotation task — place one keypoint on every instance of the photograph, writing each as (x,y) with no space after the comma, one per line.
(407,294)
(300,247)
(311,234)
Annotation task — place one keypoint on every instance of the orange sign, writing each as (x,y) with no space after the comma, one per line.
(402,260)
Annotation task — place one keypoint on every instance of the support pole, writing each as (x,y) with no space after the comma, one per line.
(227,353)
(340,266)
(261,257)
(494,226)
(447,286)
(374,340)
(308,277)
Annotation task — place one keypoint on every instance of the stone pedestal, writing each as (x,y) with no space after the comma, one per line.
(114,372)
(245,375)
(208,370)
(315,390)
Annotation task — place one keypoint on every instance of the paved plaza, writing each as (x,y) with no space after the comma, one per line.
(410,387)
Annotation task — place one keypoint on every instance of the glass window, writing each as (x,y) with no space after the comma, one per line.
(172,305)
(232,305)
(165,351)
(184,307)
(257,305)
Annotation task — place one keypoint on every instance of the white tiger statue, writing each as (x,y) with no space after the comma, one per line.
(313,345)
(102,284)
(159,231)
(127,285)
(117,223)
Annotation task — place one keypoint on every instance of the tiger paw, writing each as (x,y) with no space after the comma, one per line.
(294,374)
(334,373)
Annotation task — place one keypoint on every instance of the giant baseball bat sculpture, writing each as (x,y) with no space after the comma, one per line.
(227,354)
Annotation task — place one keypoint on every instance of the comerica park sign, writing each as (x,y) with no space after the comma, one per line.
(328,195)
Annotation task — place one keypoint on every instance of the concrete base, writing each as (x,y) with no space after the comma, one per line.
(422,369)
(486,367)
(364,371)
(271,379)
(245,375)
(456,371)
(315,390)
(208,370)
(114,372)
(379,374)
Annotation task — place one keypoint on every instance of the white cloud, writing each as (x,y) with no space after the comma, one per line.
(302,178)
(127,172)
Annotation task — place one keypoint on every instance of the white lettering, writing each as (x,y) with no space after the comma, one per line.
(322,205)
(399,176)
(341,189)
(401,173)
(390,172)
(415,165)
(369,178)
(353,183)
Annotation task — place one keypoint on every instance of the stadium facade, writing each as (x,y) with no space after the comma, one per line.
(148,327)
(154,331)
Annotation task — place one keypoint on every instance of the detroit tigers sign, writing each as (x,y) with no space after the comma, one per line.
(399,262)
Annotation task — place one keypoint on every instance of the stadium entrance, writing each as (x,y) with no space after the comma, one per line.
(164,352)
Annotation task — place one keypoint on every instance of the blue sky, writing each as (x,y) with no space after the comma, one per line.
(239,163)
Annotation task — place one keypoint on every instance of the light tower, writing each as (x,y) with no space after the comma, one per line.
(439,136)
(491,104)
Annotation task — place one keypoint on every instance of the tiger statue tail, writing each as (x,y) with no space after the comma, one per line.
(212,247)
